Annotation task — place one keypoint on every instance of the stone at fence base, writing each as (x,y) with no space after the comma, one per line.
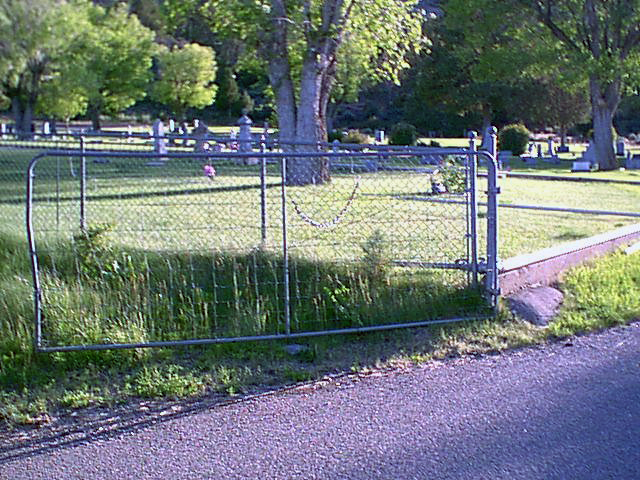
(295,349)
(581,166)
(537,305)
(562,149)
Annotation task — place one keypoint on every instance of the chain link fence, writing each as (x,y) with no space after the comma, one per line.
(209,243)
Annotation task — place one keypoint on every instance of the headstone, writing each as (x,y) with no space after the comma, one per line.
(539,150)
(590,154)
(159,142)
(486,139)
(245,140)
(550,151)
(379,136)
(172,125)
(633,162)
(620,147)
(563,149)
(200,133)
(504,157)
(129,133)
(183,129)
(581,166)
(46,128)
(3,129)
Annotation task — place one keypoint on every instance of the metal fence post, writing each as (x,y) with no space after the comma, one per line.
(492,284)
(472,161)
(83,186)
(263,194)
(285,250)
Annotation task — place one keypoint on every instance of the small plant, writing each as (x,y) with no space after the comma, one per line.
(453,177)
(376,257)
(80,399)
(233,380)
(98,260)
(515,138)
(403,134)
(173,380)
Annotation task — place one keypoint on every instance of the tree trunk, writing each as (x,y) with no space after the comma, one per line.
(604,102)
(563,136)
(94,113)
(310,129)
(22,116)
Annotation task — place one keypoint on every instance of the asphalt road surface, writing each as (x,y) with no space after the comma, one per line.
(569,410)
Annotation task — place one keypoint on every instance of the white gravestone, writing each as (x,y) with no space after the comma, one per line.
(159,142)
(590,154)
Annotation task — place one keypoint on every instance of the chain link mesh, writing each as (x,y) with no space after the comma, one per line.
(137,248)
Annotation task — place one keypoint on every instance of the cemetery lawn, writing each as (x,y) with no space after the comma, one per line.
(34,388)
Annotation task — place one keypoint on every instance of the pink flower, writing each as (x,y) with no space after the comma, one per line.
(209,171)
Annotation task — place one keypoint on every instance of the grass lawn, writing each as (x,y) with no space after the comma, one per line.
(174,255)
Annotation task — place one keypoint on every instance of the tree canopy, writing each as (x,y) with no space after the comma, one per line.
(186,76)
(302,44)
(579,42)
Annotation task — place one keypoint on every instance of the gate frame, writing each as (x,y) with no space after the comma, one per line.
(489,268)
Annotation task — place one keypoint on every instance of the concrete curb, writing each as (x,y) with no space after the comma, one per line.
(545,266)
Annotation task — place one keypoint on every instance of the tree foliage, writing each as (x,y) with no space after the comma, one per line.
(579,42)
(302,44)
(117,59)
(38,38)
(186,75)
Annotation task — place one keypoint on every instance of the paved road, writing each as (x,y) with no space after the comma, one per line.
(558,412)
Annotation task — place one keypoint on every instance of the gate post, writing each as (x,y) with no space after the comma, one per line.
(472,162)
(491,280)
(285,250)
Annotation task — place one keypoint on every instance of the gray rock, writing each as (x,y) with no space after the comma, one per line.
(295,349)
(536,305)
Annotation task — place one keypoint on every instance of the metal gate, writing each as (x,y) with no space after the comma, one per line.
(132,249)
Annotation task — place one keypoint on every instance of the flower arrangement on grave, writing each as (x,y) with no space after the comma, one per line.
(209,172)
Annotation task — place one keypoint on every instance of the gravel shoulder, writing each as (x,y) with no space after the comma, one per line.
(563,410)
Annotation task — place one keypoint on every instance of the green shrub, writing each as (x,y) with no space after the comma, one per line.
(355,136)
(335,135)
(403,134)
(515,138)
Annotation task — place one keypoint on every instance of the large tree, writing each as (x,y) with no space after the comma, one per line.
(37,39)
(301,43)
(595,42)
(600,39)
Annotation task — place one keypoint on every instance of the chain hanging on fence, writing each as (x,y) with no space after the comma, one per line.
(337,219)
